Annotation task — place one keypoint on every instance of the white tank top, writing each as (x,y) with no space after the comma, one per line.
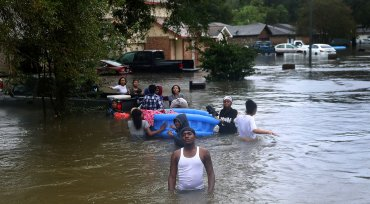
(190,172)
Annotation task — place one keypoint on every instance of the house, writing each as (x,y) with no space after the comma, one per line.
(248,34)
(214,30)
(285,33)
(176,43)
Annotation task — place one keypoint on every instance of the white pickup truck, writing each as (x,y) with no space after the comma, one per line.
(301,47)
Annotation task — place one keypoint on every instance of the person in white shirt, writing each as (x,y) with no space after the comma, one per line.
(140,128)
(188,162)
(121,86)
(246,125)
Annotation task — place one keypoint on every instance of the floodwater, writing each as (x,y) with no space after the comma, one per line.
(321,155)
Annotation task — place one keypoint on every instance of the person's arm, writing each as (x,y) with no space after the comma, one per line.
(170,133)
(143,103)
(262,131)
(173,170)
(128,90)
(207,161)
(160,104)
(150,132)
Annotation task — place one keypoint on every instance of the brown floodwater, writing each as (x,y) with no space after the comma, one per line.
(321,155)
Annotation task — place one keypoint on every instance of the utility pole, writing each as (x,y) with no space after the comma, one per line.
(311,40)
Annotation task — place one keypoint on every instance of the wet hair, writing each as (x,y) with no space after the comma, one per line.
(174,87)
(151,89)
(251,107)
(136,117)
(119,80)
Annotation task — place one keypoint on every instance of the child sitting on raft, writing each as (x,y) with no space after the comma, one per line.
(113,108)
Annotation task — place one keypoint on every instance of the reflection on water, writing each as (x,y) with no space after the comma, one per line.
(320,156)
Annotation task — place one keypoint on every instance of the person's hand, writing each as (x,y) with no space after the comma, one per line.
(273,133)
(163,126)
(169,132)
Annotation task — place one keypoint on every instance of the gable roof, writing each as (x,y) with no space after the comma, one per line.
(215,28)
(285,26)
(183,31)
(281,29)
(246,30)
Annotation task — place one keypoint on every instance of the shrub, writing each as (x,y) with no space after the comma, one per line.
(227,61)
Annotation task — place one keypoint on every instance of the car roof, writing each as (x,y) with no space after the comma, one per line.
(285,44)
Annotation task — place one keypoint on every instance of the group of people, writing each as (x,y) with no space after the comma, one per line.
(188,161)
(245,125)
(152,98)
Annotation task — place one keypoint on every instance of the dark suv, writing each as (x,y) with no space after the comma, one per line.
(263,47)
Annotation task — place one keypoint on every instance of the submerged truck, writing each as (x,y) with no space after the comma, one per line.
(154,61)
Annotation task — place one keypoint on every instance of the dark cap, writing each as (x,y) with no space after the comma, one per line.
(187,129)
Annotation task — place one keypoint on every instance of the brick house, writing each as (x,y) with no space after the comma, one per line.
(175,44)
(248,34)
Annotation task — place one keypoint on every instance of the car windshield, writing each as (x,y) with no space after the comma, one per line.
(325,46)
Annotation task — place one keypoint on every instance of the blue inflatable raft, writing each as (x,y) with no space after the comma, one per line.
(201,121)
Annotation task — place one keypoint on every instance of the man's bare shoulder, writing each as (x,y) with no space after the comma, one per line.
(203,152)
(176,154)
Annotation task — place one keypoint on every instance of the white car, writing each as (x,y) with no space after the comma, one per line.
(364,41)
(285,48)
(323,49)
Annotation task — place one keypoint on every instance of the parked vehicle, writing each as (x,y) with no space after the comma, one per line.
(112,67)
(263,47)
(323,49)
(340,42)
(300,44)
(285,48)
(153,60)
(364,41)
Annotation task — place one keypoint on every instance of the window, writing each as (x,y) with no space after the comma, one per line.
(127,58)
(325,46)
(158,55)
(143,57)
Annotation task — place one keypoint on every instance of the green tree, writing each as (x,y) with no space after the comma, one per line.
(331,19)
(227,61)
(252,13)
(291,6)
(360,11)
(278,14)
(131,17)
(62,38)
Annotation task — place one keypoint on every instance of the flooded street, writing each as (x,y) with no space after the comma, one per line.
(322,154)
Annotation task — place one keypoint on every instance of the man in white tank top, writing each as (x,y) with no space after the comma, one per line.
(188,163)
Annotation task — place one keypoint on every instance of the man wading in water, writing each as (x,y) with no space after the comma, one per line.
(188,163)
